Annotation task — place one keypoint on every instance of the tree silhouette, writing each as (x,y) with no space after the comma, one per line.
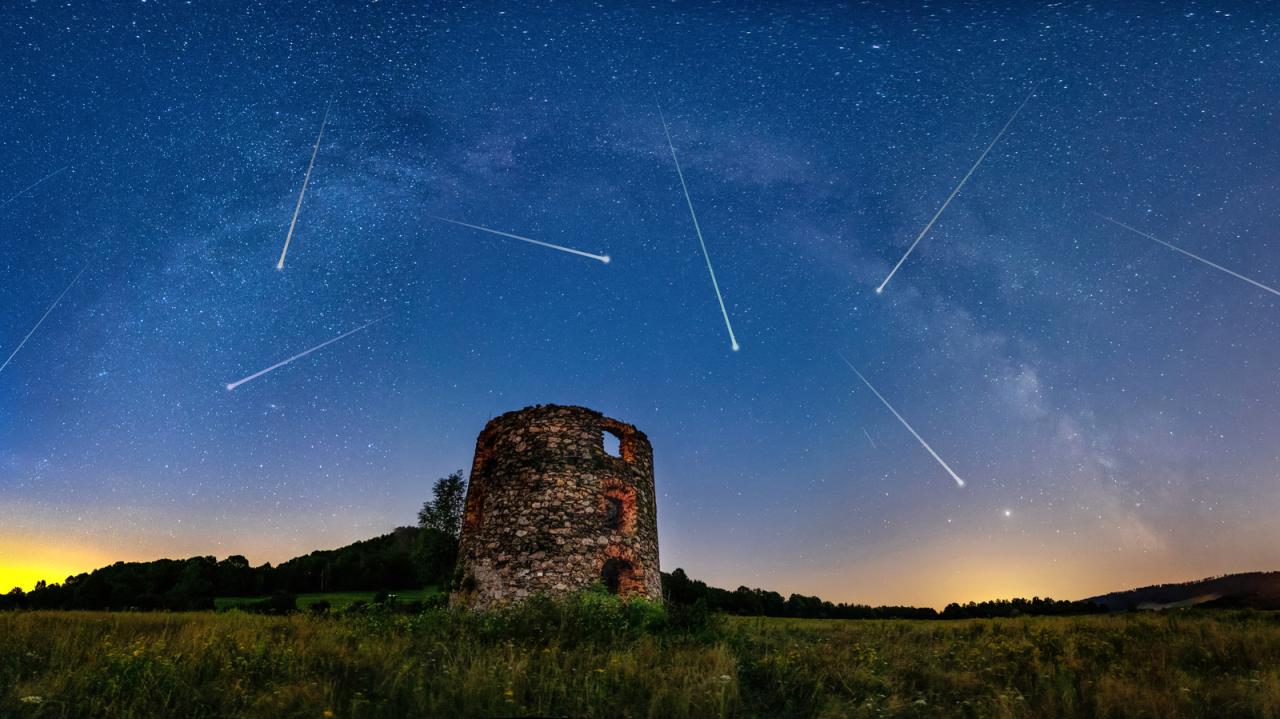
(440,522)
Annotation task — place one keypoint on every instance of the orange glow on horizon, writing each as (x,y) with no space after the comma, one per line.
(23,563)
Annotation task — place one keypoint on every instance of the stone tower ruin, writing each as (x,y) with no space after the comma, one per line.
(550,511)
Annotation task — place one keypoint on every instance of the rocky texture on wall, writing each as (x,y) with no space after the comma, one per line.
(550,511)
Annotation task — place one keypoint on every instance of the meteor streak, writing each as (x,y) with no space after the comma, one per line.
(1188,254)
(570,250)
(705,255)
(956,191)
(959,482)
(300,355)
(872,441)
(32,186)
(306,179)
(42,317)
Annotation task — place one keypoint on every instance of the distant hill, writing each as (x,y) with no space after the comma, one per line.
(1257,590)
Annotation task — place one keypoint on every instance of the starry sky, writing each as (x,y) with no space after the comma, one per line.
(1110,403)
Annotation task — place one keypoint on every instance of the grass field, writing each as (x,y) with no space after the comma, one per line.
(600,659)
(337,600)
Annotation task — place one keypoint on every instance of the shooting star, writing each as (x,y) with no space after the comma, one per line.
(872,441)
(30,187)
(300,355)
(1188,254)
(956,191)
(305,179)
(42,318)
(705,255)
(570,250)
(959,482)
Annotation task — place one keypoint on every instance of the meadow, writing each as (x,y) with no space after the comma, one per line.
(335,600)
(592,656)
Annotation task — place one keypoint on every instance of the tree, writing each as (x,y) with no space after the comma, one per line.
(440,522)
(235,577)
(444,513)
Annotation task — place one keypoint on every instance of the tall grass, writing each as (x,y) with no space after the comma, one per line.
(1152,665)
(594,656)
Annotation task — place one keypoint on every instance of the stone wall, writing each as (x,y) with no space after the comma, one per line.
(550,511)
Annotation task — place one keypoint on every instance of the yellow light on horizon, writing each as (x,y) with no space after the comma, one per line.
(26,576)
(25,561)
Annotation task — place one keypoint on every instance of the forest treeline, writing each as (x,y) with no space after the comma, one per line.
(381,563)
(393,562)
(406,558)
(416,557)
(678,588)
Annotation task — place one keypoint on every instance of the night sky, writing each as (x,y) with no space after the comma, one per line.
(1109,402)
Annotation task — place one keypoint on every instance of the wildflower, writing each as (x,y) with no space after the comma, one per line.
(31,700)
(327,714)
(725,678)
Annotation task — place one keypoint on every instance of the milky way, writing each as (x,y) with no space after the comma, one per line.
(1117,398)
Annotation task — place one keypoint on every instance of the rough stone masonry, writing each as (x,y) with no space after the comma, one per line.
(550,511)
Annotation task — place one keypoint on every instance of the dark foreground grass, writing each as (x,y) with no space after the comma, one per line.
(591,656)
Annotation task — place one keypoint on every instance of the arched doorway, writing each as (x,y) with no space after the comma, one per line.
(617,574)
